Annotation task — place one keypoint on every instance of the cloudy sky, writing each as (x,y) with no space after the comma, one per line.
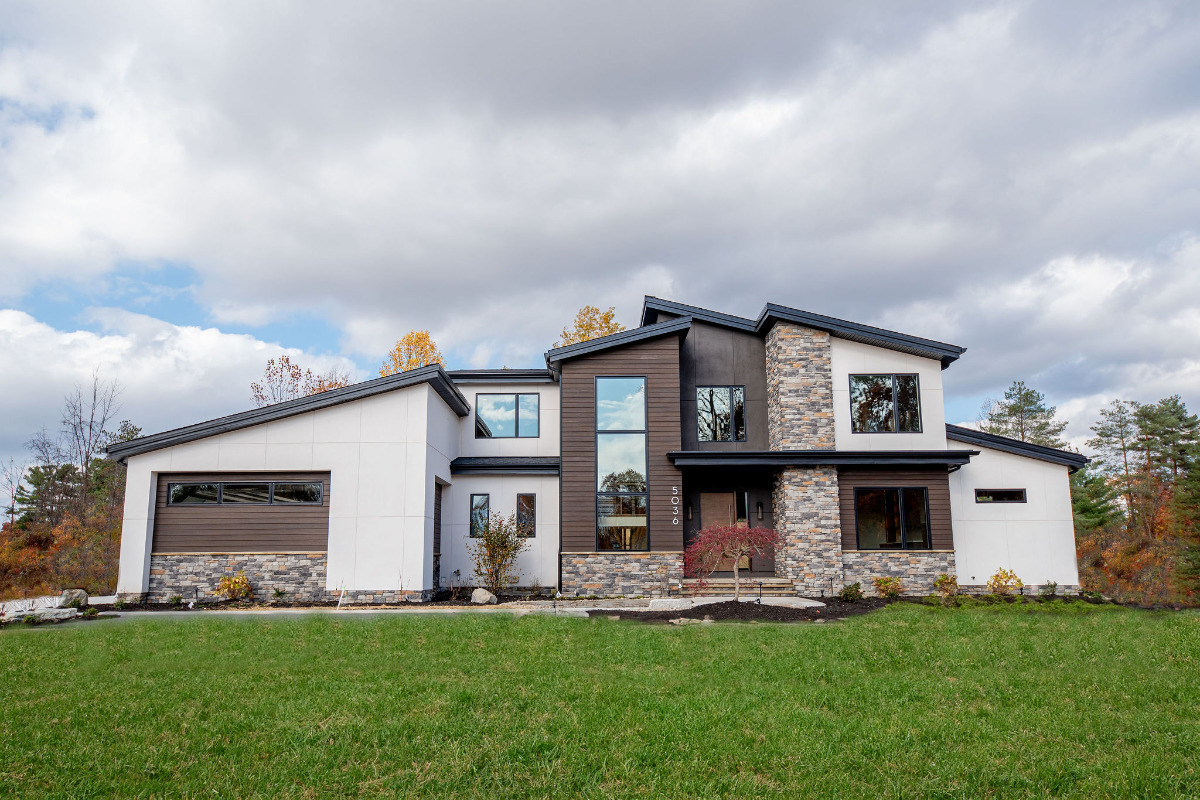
(189,189)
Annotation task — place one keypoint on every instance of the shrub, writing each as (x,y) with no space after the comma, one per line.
(718,544)
(946,585)
(91,611)
(279,594)
(1004,582)
(851,593)
(1048,589)
(175,600)
(119,604)
(235,587)
(494,552)
(890,587)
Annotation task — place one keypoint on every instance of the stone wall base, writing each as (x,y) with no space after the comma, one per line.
(917,570)
(807,515)
(194,577)
(617,574)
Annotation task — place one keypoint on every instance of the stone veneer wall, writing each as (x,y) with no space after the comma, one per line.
(799,388)
(805,501)
(301,575)
(916,569)
(616,574)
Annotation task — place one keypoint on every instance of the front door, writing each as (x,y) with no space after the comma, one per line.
(723,508)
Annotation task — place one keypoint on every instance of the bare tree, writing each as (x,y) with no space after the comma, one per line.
(12,476)
(87,413)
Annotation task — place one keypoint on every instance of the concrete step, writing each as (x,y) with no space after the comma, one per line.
(771,587)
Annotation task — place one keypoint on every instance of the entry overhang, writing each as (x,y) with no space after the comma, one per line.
(821,458)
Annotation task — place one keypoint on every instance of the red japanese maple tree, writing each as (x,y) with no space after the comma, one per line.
(718,543)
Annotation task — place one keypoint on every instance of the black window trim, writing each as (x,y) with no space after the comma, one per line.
(471,512)
(895,406)
(533,528)
(516,412)
(596,433)
(1024,497)
(320,484)
(903,530)
(745,420)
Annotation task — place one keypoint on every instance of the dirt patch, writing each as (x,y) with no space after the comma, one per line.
(746,611)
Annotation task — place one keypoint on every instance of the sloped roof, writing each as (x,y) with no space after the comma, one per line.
(560,354)
(971,436)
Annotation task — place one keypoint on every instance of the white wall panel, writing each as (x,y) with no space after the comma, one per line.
(851,358)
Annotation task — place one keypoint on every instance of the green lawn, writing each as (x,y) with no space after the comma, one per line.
(1076,701)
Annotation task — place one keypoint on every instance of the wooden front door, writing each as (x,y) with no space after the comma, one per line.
(721,508)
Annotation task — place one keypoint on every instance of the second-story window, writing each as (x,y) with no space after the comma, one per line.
(506,416)
(721,413)
(622,495)
(885,404)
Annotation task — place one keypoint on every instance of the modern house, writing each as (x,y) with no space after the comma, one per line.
(613,457)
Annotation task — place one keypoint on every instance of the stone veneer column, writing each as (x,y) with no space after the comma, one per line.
(805,499)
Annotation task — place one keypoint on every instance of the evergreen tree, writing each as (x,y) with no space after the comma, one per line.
(1185,508)
(1116,434)
(1092,497)
(1024,415)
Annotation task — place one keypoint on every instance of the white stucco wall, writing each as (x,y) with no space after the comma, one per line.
(382,453)
(1035,539)
(851,358)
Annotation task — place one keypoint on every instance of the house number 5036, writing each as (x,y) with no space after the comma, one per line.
(674,505)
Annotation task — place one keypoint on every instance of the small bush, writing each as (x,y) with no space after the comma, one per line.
(946,585)
(119,604)
(890,587)
(175,600)
(1004,582)
(279,594)
(235,587)
(851,593)
(1049,589)
(75,603)
(90,612)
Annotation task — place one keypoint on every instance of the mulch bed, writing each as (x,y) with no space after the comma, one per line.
(747,611)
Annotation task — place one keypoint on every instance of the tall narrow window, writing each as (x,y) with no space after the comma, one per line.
(506,416)
(892,518)
(479,514)
(527,514)
(885,404)
(621,475)
(721,413)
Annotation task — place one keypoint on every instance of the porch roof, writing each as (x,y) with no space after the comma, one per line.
(821,458)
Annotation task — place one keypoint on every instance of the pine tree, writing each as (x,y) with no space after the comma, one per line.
(1092,503)
(1024,415)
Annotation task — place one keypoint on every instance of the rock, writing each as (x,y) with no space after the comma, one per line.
(73,598)
(670,604)
(55,614)
(482,597)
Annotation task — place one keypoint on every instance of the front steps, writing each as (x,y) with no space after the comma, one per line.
(720,587)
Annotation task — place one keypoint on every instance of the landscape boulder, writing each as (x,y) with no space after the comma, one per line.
(483,597)
(73,598)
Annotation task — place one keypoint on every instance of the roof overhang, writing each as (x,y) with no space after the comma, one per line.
(821,458)
(433,375)
(1072,461)
(502,376)
(505,465)
(621,339)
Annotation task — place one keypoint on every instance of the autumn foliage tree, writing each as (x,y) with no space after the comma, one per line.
(495,550)
(590,323)
(283,380)
(414,350)
(718,545)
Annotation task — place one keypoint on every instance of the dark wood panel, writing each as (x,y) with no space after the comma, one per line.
(658,361)
(241,528)
(936,481)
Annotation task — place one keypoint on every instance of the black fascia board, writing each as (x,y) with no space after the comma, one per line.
(433,374)
(823,458)
(1073,461)
(505,465)
(652,305)
(621,339)
(502,376)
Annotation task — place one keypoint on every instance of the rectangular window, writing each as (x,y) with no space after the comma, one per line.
(507,416)
(527,514)
(244,493)
(296,493)
(180,494)
(892,518)
(885,404)
(479,514)
(621,465)
(1000,496)
(721,413)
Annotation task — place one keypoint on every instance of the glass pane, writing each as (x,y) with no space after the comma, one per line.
(871,407)
(621,462)
(712,413)
(526,513)
(739,414)
(297,492)
(620,404)
(479,513)
(999,495)
(192,493)
(878,514)
(495,416)
(621,523)
(908,403)
(246,493)
(916,520)
(742,502)
(527,405)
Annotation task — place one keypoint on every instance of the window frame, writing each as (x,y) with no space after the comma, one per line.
(1024,497)
(895,406)
(270,493)
(596,434)
(903,528)
(516,414)
(732,431)
(533,525)
(471,512)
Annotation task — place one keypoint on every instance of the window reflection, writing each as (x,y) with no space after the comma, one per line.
(620,404)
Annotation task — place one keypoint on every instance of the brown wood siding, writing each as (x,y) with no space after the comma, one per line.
(941,533)
(277,528)
(658,361)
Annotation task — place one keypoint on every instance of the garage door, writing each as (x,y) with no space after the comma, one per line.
(242,512)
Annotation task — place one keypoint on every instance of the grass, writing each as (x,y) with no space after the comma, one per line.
(1062,700)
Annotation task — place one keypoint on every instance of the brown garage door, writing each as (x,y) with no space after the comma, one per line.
(241,512)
